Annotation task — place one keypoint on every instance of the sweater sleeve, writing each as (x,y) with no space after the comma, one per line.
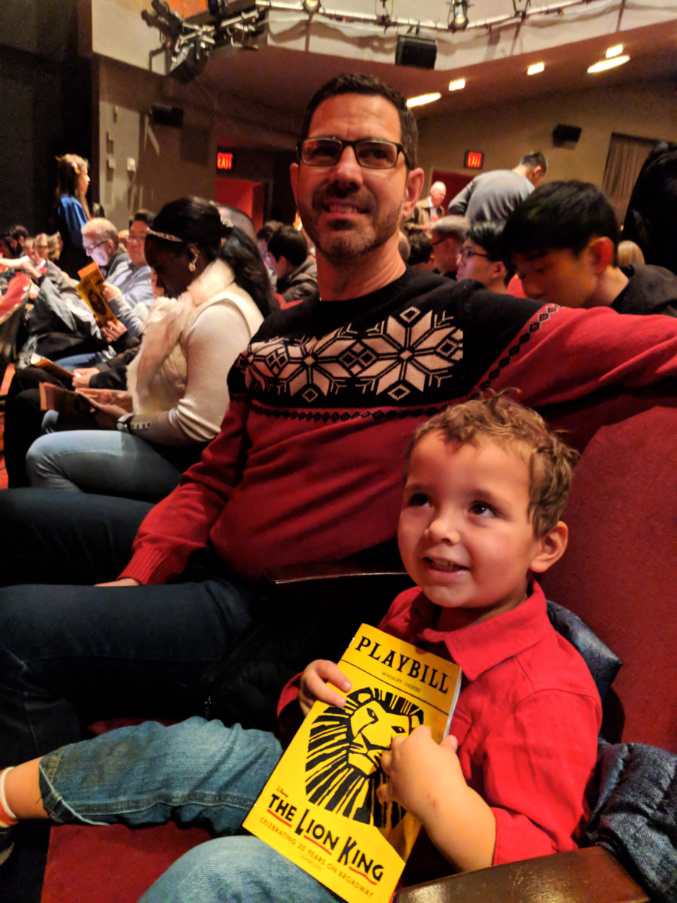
(536,765)
(562,354)
(180,524)
(459,204)
(213,343)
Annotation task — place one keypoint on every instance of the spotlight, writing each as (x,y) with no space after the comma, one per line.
(311,6)
(459,15)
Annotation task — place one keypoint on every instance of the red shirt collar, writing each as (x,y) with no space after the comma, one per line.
(482,646)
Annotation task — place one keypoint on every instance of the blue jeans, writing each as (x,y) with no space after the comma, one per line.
(194,773)
(101,461)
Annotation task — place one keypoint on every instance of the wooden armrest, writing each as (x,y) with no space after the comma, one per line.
(590,875)
(319,571)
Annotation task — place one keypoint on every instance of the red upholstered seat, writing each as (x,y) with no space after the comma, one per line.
(618,574)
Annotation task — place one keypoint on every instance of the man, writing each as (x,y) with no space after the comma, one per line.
(430,210)
(482,257)
(448,235)
(564,240)
(296,272)
(494,195)
(306,467)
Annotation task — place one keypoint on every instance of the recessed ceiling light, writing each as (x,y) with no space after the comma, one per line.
(608,64)
(535,68)
(423,98)
(457,85)
(614,51)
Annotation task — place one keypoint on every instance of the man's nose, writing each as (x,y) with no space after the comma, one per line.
(346,167)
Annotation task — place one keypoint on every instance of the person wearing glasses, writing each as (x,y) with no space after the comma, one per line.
(448,235)
(482,257)
(307,466)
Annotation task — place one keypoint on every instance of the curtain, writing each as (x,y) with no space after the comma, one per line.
(626,158)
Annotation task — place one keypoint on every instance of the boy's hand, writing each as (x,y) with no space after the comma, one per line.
(314,686)
(421,772)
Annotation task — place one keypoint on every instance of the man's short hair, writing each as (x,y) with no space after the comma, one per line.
(534,159)
(267,229)
(561,215)
(488,235)
(451,227)
(420,248)
(289,243)
(354,83)
(500,419)
(143,216)
(101,227)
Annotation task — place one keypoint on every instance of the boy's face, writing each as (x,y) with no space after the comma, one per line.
(464,534)
(558,276)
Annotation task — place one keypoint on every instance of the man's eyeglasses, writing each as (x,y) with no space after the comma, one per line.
(90,248)
(370,153)
(466,253)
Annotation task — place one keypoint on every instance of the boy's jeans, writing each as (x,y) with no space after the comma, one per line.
(199,773)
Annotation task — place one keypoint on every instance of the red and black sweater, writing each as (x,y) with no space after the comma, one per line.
(308,465)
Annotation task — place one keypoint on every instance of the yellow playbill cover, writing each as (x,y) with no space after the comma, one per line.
(320,807)
(90,289)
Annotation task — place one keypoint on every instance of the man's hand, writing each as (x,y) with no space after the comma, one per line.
(314,687)
(82,376)
(110,291)
(123,581)
(421,773)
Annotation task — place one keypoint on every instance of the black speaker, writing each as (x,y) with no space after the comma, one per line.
(562,134)
(166,114)
(419,52)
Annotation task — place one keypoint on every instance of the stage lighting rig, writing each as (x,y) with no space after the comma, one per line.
(189,43)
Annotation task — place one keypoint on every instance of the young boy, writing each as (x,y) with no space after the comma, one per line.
(486,484)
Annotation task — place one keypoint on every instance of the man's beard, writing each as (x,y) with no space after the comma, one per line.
(345,241)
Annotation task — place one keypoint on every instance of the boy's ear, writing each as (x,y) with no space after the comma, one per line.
(551,547)
(602,253)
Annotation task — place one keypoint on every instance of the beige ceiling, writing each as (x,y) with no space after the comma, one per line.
(284,79)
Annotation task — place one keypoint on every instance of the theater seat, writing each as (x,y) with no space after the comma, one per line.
(618,574)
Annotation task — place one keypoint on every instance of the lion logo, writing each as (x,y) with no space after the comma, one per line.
(343,770)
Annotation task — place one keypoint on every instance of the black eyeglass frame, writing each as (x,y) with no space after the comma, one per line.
(345,143)
(94,247)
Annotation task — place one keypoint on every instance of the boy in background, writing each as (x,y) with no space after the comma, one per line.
(486,485)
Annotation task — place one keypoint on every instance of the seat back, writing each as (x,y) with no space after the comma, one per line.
(620,570)
(12,306)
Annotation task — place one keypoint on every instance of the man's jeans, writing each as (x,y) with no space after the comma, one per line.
(193,773)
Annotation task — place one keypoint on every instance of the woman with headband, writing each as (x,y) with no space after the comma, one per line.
(217,293)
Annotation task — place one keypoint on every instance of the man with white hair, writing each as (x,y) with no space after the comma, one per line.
(429,210)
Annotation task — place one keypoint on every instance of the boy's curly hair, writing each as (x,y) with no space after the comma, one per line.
(500,419)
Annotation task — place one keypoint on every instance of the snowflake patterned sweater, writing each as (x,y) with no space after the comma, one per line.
(308,465)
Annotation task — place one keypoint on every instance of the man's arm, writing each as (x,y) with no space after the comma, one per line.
(459,204)
(180,524)
(562,354)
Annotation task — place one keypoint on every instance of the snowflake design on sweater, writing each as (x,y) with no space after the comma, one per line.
(407,353)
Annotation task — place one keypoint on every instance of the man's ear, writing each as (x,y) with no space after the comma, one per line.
(550,548)
(412,191)
(497,270)
(601,251)
(294,179)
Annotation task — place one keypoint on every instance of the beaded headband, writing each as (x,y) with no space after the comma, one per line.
(225,223)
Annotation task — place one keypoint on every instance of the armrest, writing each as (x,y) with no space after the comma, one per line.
(590,875)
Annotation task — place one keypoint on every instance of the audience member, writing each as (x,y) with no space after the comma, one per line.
(486,485)
(307,466)
(177,390)
(429,210)
(262,239)
(651,217)
(629,252)
(296,272)
(564,241)
(71,211)
(482,257)
(447,235)
(494,195)
(421,251)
